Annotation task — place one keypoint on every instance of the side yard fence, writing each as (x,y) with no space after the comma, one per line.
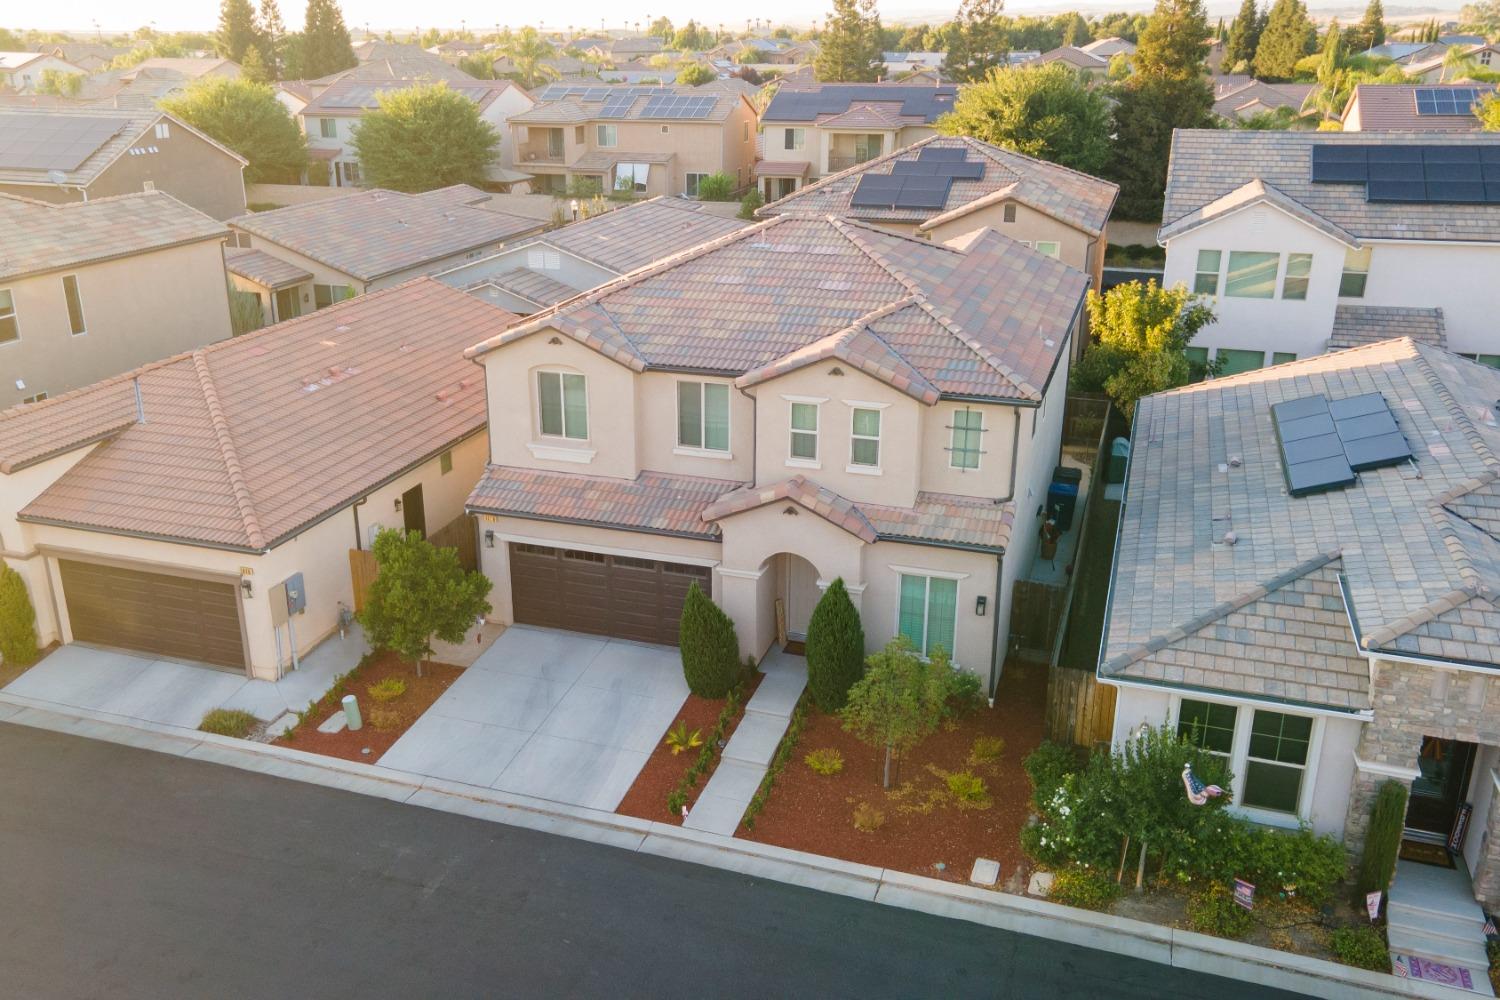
(458,533)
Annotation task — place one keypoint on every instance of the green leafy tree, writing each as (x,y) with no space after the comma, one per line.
(1049,112)
(1289,35)
(1119,68)
(480,67)
(246,117)
(60,82)
(1482,16)
(1140,335)
(1147,109)
(1244,35)
(835,648)
(976,45)
(1175,41)
(1077,30)
(527,50)
(325,46)
(660,28)
(237,32)
(696,75)
(425,137)
(253,67)
(1370,31)
(899,701)
(750,203)
(1383,839)
(17,619)
(850,46)
(421,593)
(1488,112)
(245,312)
(1334,81)
(272,38)
(709,647)
(716,187)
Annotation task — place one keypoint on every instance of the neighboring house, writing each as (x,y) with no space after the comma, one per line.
(809,399)
(639,73)
(1286,249)
(22,71)
(306,257)
(1071,55)
(453,51)
(1108,48)
(1059,212)
(165,511)
(1253,97)
(331,118)
(1324,630)
(623,50)
(91,289)
(646,140)
(913,62)
(1431,69)
(530,275)
(1405,53)
(1400,107)
(811,132)
(73,154)
(398,61)
(194,69)
(764,52)
(86,56)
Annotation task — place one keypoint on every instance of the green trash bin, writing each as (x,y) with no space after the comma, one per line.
(1119,458)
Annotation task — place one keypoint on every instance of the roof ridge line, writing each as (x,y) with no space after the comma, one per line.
(1432,610)
(1156,643)
(1470,432)
(242,498)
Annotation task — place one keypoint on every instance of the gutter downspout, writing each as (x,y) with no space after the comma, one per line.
(754,435)
(358,535)
(996,658)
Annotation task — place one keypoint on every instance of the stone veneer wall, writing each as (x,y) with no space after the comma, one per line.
(1412,701)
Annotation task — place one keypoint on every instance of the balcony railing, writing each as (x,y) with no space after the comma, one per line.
(837,163)
(538,155)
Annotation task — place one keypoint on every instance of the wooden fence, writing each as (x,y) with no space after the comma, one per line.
(1080,710)
(456,534)
(362,572)
(1084,417)
(1036,612)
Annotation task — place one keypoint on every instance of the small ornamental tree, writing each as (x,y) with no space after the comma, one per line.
(1383,840)
(695,75)
(899,700)
(710,648)
(246,117)
(17,619)
(835,648)
(425,137)
(421,593)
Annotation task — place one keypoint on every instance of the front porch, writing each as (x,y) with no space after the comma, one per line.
(1435,929)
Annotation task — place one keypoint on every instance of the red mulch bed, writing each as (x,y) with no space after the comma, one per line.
(647,798)
(403,711)
(924,826)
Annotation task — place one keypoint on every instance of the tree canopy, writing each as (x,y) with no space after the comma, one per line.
(246,117)
(526,50)
(1147,109)
(425,137)
(1048,112)
(421,593)
(1175,41)
(850,50)
(237,31)
(1244,35)
(1288,36)
(1488,111)
(1370,31)
(976,44)
(325,44)
(695,75)
(899,701)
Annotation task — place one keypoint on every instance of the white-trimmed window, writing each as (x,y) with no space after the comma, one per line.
(1206,276)
(1252,274)
(703,415)
(804,443)
(691,182)
(968,433)
(74,303)
(10,328)
(928,611)
(796,138)
(1356,273)
(864,437)
(1208,724)
(1270,754)
(562,404)
(163,131)
(327,295)
(1298,276)
(543,259)
(1049,248)
(631,177)
(1008,214)
(328,128)
(608,136)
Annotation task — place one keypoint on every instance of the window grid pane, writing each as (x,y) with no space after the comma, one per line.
(864,448)
(1208,725)
(1298,274)
(1251,275)
(716,416)
(942,611)
(690,414)
(575,407)
(967,431)
(549,394)
(912,617)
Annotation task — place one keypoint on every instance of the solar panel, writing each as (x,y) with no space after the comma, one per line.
(921,197)
(1446,100)
(1396,191)
(1312,456)
(874,195)
(52,142)
(967,170)
(944,153)
(926,168)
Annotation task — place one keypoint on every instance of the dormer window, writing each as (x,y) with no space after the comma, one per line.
(562,401)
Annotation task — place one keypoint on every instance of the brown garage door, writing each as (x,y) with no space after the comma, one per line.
(154,613)
(602,595)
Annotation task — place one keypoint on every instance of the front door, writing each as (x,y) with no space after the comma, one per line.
(802,595)
(412,510)
(1439,789)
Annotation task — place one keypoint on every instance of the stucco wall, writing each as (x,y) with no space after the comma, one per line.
(571,271)
(1457,278)
(1075,247)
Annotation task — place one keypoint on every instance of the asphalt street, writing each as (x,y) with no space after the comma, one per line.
(127,873)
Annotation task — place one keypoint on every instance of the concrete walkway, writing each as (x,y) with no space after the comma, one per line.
(750,749)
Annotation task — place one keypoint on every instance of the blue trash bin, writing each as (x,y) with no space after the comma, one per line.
(1061,499)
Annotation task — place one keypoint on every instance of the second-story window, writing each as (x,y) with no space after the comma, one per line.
(703,415)
(74,303)
(10,329)
(968,431)
(1252,275)
(795,138)
(1356,274)
(1206,277)
(1298,275)
(609,136)
(562,398)
(328,128)
(805,431)
(864,439)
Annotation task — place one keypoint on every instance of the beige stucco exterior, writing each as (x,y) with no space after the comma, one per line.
(136,309)
(1076,248)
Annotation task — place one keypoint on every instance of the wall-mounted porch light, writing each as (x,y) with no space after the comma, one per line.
(979,605)
(247,586)
(489,538)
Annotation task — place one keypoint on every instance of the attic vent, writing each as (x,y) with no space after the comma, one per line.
(835,286)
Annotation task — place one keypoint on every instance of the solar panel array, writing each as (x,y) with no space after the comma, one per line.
(52,142)
(679,106)
(922,183)
(1446,100)
(1325,442)
(1445,175)
(558,91)
(923,102)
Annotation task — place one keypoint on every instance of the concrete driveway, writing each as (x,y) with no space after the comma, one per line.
(554,715)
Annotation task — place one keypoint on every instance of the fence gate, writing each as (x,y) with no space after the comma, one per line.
(1036,613)
(362,573)
(459,534)
(1080,710)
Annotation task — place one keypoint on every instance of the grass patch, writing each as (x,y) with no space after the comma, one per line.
(228,722)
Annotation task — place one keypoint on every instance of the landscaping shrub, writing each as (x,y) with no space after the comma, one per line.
(716,187)
(784,751)
(967,788)
(1383,841)
(679,739)
(899,701)
(986,750)
(1300,862)
(17,620)
(677,797)
(1361,947)
(1086,888)
(835,648)
(383,718)
(422,593)
(388,690)
(1214,911)
(825,761)
(1048,767)
(965,693)
(867,818)
(709,646)
(750,203)
(228,722)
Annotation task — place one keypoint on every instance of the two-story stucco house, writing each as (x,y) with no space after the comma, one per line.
(1406,107)
(1305,581)
(22,71)
(646,141)
(810,398)
(75,154)
(91,289)
(165,510)
(305,257)
(813,131)
(1307,241)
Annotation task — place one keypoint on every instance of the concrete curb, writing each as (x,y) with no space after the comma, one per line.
(1021,914)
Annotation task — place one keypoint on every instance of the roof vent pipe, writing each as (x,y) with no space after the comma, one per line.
(140,404)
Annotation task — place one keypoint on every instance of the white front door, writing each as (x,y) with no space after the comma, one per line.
(802,595)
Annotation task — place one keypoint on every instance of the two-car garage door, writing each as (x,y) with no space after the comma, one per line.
(154,613)
(619,596)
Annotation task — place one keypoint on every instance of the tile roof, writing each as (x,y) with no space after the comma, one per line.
(127,126)
(1426,589)
(782,168)
(603,159)
(920,103)
(653,501)
(987,321)
(1355,325)
(354,95)
(875,114)
(828,505)
(263,269)
(246,442)
(1393,107)
(640,233)
(533,286)
(376,233)
(574,109)
(1208,164)
(1077,199)
(1257,94)
(40,236)
(1073,56)
(1256,192)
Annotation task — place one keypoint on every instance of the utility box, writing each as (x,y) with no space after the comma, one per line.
(296,594)
(1119,458)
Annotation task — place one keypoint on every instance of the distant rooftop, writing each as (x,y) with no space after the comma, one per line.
(915,104)
(78,142)
(1404,107)
(351,95)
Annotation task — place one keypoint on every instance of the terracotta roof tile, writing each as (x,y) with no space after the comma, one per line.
(653,501)
(39,237)
(263,269)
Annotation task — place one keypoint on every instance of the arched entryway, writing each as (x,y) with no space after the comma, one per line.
(796,590)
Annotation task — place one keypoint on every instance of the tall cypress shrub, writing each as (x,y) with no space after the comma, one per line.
(710,649)
(1383,841)
(835,648)
(17,619)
